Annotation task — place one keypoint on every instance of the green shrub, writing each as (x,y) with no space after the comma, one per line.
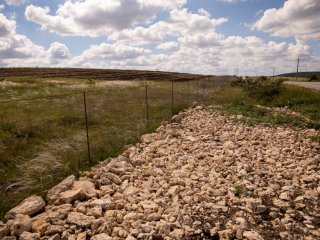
(262,88)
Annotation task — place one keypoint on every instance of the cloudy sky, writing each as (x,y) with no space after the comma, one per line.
(197,36)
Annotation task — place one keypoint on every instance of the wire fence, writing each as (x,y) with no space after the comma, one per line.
(44,139)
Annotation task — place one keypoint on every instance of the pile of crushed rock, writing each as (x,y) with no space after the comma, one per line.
(201,176)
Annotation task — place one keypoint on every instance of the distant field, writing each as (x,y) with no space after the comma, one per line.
(97,74)
(42,139)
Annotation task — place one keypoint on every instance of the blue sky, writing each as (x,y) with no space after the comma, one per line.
(197,36)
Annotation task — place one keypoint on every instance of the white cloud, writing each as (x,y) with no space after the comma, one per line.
(18,50)
(108,54)
(169,46)
(180,23)
(78,17)
(297,18)
(210,53)
(7,27)
(58,51)
(15,2)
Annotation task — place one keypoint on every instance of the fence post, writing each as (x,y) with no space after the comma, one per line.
(147,104)
(87,129)
(197,89)
(188,91)
(172,97)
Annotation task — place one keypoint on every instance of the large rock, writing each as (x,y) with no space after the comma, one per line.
(72,195)
(87,187)
(66,184)
(21,224)
(81,190)
(29,206)
(80,219)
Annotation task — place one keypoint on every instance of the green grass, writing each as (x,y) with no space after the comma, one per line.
(42,141)
(236,101)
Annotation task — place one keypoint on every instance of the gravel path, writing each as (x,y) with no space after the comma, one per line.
(200,177)
(311,85)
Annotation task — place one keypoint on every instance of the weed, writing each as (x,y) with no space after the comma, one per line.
(239,190)
(315,139)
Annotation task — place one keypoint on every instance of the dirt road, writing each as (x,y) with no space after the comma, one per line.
(311,85)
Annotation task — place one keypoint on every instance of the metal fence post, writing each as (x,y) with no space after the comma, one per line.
(87,128)
(147,104)
(172,97)
(188,91)
(197,89)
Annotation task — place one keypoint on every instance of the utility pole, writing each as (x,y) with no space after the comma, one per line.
(297,68)
(273,71)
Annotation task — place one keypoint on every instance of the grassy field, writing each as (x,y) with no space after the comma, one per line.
(294,106)
(43,140)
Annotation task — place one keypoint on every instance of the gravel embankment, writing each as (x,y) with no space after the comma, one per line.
(200,177)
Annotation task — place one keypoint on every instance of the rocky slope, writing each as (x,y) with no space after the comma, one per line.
(199,177)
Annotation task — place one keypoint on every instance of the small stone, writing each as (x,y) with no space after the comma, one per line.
(103,203)
(174,190)
(54,229)
(102,236)
(82,236)
(241,222)
(239,233)
(131,216)
(130,237)
(29,236)
(285,196)
(130,191)
(57,237)
(21,224)
(80,219)
(4,230)
(114,178)
(40,226)
(147,204)
(279,203)
(252,235)
(29,206)
(154,217)
(95,212)
(177,234)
